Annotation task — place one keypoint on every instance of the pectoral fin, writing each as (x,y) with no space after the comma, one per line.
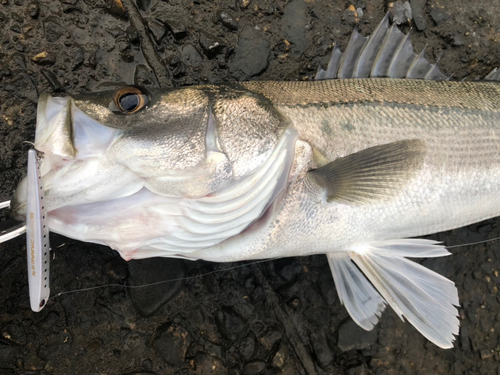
(372,174)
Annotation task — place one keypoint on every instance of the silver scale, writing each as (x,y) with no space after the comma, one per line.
(37,236)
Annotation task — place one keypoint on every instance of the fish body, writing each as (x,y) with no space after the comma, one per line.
(350,168)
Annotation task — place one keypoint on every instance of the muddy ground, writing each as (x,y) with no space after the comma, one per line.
(275,317)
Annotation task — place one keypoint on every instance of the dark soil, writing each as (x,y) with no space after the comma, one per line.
(268,318)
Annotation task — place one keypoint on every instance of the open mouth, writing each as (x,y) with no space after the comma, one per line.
(92,199)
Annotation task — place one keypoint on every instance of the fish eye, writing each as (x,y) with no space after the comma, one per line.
(130,99)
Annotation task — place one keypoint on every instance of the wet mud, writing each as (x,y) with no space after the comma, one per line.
(274,317)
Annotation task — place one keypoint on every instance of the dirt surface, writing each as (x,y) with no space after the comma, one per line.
(268,318)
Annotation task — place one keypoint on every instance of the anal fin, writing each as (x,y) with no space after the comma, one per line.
(425,298)
(359,297)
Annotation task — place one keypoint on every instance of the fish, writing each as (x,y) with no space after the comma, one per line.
(379,149)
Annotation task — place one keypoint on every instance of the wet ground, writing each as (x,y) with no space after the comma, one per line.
(267,318)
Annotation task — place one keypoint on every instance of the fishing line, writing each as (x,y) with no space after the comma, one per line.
(159,282)
(215,271)
(473,243)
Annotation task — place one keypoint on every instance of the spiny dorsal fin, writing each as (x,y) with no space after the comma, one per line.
(494,75)
(373,174)
(386,53)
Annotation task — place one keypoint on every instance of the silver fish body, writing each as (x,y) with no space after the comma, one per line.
(348,168)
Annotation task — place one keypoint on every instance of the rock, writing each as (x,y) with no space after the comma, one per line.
(55,346)
(5,73)
(135,343)
(279,358)
(44,58)
(133,35)
(271,339)
(117,267)
(52,80)
(294,26)
(456,39)
(16,17)
(213,350)
(417,10)
(287,268)
(318,316)
(359,370)
(16,28)
(116,32)
(251,54)
(210,45)
(157,30)
(400,12)
(178,30)
(34,9)
(17,61)
(144,76)
(52,29)
(7,354)
(149,299)
(23,87)
(94,344)
(143,4)
(322,350)
(439,16)
(227,19)
(247,347)
(171,343)
(244,4)
(254,367)
(351,15)
(486,354)
(190,55)
(175,26)
(15,333)
(113,7)
(78,57)
(207,365)
(327,287)
(147,364)
(51,320)
(123,45)
(352,336)
(230,323)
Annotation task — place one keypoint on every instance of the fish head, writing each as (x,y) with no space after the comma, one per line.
(183,143)
(82,138)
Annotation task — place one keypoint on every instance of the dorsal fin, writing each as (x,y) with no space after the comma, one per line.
(386,53)
(494,75)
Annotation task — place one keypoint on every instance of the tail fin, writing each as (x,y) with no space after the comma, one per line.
(422,296)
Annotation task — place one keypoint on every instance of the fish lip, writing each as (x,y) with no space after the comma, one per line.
(18,202)
(47,108)
(54,126)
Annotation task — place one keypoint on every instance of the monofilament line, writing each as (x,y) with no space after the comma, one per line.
(473,243)
(160,282)
(215,271)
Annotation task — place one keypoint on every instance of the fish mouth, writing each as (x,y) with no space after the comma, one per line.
(18,202)
(52,136)
(122,210)
(62,142)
